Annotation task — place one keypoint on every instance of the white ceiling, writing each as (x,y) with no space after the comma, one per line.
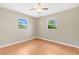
(25,8)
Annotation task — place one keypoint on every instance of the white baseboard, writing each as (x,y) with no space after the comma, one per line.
(59,42)
(6,45)
(39,38)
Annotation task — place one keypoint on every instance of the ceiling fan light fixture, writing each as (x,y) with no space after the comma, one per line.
(39,8)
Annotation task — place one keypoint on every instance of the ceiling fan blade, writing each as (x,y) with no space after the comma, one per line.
(32,9)
(44,8)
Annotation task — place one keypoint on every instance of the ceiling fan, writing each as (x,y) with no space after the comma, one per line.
(39,8)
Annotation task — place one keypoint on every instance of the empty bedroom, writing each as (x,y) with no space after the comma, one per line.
(39,28)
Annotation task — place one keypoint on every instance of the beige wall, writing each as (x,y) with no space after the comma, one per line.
(9,31)
(68,27)
(67,31)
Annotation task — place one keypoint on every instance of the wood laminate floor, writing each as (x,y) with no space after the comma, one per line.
(39,47)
